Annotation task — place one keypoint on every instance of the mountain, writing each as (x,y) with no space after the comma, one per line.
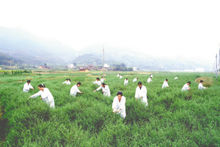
(7,60)
(20,47)
(93,55)
(23,46)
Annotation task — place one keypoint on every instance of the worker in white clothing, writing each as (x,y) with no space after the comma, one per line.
(186,87)
(105,89)
(200,86)
(75,89)
(141,93)
(135,79)
(27,86)
(67,82)
(97,82)
(45,94)
(102,79)
(118,105)
(175,78)
(165,84)
(126,81)
(120,77)
(151,76)
(149,80)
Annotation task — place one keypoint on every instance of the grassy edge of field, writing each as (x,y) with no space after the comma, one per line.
(3,124)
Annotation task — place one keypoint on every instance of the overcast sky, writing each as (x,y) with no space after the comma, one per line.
(167,28)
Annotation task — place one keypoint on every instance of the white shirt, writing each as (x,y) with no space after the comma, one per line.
(74,90)
(186,87)
(175,78)
(102,80)
(97,83)
(151,76)
(201,87)
(119,107)
(46,97)
(105,90)
(125,82)
(67,82)
(141,93)
(149,80)
(120,77)
(27,87)
(135,79)
(165,84)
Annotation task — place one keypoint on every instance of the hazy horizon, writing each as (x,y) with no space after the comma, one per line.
(161,29)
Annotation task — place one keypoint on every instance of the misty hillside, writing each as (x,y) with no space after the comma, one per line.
(7,60)
(27,48)
(144,62)
(93,54)
(20,47)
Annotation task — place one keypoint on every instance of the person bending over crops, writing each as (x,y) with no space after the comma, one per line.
(201,87)
(118,105)
(75,89)
(175,78)
(141,93)
(126,81)
(67,82)
(120,77)
(27,86)
(45,94)
(102,79)
(135,79)
(97,82)
(186,87)
(151,76)
(165,84)
(105,89)
(149,80)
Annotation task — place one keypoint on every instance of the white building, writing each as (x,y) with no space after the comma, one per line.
(106,65)
(70,66)
(134,68)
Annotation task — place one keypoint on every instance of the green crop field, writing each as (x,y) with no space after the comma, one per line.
(173,118)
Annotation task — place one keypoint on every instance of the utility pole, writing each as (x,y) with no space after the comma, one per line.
(219,61)
(216,57)
(103,57)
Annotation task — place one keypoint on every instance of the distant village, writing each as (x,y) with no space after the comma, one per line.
(87,68)
(74,67)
